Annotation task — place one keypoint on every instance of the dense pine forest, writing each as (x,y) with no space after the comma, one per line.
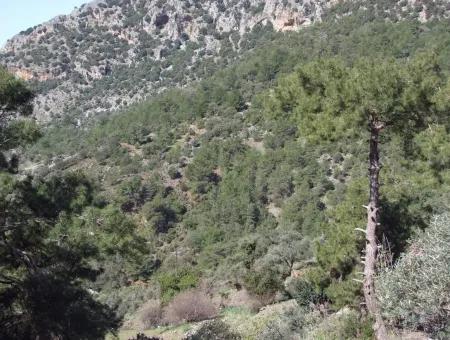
(242,197)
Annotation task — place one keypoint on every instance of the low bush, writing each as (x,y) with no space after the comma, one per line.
(213,330)
(264,281)
(171,283)
(173,172)
(346,324)
(128,299)
(151,314)
(291,324)
(415,294)
(302,291)
(188,306)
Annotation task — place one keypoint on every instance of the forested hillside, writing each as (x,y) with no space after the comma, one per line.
(236,192)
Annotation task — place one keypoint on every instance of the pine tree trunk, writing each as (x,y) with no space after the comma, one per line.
(373,221)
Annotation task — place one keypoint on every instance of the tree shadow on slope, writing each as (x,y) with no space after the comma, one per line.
(399,222)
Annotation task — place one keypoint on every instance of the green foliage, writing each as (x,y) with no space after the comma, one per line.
(163,212)
(415,292)
(20,132)
(125,300)
(15,98)
(46,262)
(135,193)
(263,281)
(14,94)
(214,330)
(112,234)
(70,192)
(289,248)
(171,283)
(331,101)
(293,321)
(338,252)
(348,324)
(173,172)
(433,146)
(37,268)
(303,292)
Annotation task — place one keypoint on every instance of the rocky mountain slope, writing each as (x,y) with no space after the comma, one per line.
(70,54)
(109,53)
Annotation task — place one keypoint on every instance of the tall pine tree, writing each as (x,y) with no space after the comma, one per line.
(331,100)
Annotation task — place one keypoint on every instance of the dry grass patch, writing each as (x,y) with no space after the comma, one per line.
(189,306)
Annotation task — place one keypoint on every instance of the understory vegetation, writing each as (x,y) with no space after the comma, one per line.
(425,264)
(243,190)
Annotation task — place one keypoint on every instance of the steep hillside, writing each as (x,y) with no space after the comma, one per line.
(239,181)
(227,192)
(111,53)
(130,48)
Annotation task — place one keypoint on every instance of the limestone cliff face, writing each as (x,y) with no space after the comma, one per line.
(71,52)
(109,53)
(72,38)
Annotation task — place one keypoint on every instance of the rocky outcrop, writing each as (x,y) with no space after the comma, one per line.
(110,53)
(72,52)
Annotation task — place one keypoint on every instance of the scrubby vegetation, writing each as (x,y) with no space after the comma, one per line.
(246,188)
(404,299)
(216,329)
(190,306)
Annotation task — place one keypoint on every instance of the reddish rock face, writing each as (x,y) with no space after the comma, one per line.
(28,75)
